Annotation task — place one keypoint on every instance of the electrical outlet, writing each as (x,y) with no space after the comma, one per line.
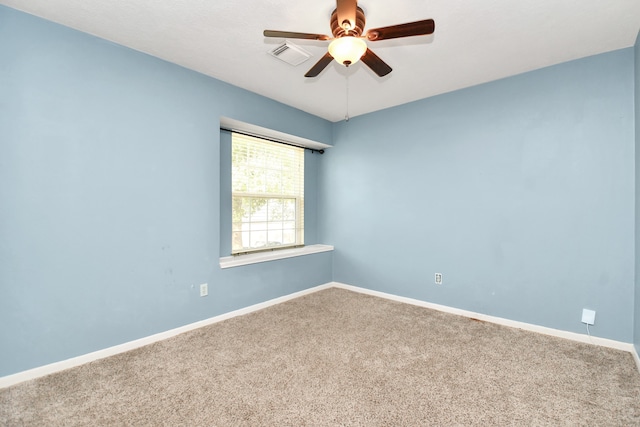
(588,316)
(204,290)
(438,278)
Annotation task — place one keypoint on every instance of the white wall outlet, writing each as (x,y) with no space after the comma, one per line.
(204,290)
(438,278)
(588,316)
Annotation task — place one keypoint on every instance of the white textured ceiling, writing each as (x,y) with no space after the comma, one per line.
(474,42)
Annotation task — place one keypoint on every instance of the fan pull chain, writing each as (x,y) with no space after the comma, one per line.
(346,116)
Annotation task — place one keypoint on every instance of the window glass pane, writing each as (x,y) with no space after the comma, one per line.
(258,226)
(274,212)
(246,240)
(258,239)
(289,210)
(275,237)
(288,237)
(258,209)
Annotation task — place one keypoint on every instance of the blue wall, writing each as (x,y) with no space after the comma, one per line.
(520,191)
(110,195)
(636,327)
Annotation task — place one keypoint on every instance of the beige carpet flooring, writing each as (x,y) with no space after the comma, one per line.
(339,358)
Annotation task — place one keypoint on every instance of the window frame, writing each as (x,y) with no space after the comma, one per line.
(298,158)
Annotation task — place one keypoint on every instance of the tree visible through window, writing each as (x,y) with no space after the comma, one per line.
(267,193)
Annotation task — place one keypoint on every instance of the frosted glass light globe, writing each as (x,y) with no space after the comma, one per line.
(347,50)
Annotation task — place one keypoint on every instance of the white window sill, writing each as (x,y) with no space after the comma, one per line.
(246,259)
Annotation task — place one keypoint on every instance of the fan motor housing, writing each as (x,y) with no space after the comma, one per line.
(338,31)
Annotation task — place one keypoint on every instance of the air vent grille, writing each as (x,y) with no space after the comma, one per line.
(290,53)
(280,49)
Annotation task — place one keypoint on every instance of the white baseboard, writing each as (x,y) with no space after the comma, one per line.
(41,371)
(636,358)
(498,320)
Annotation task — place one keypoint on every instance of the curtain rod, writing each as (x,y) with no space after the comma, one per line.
(255,135)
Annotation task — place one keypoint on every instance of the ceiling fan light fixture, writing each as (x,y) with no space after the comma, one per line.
(347,50)
(348,45)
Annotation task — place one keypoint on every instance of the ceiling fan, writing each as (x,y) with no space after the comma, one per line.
(348,44)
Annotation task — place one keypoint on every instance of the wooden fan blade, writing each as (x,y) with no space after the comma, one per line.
(375,63)
(346,10)
(294,35)
(418,28)
(320,65)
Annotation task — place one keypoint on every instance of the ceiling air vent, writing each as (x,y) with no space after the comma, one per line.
(290,53)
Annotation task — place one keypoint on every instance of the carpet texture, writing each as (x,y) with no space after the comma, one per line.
(340,358)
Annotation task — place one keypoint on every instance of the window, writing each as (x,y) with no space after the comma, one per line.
(267,184)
